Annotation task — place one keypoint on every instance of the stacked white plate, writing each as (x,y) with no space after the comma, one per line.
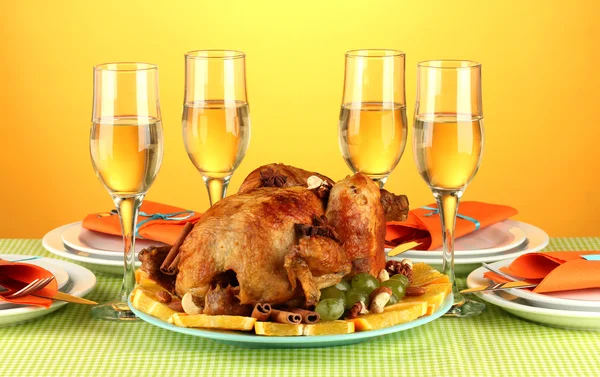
(576,309)
(71,278)
(98,251)
(504,240)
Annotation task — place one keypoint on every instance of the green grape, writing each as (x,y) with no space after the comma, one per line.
(330,309)
(397,288)
(401,278)
(354,295)
(365,282)
(343,286)
(332,292)
(393,300)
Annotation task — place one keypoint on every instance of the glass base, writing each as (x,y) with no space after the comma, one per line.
(464,307)
(113,311)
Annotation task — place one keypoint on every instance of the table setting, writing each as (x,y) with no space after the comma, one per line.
(379,275)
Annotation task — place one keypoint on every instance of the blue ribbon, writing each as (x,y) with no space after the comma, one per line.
(162,216)
(435,211)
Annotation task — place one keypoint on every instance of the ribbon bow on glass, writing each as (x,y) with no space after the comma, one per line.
(436,211)
(174,216)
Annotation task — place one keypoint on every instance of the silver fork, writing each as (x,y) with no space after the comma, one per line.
(34,286)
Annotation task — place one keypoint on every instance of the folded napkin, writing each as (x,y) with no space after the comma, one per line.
(423,224)
(157,222)
(554,271)
(15,275)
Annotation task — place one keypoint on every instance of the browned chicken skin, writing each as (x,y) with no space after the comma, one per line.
(316,262)
(249,234)
(354,210)
(266,175)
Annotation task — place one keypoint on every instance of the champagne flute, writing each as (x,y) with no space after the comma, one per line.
(126,146)
(216,118)
(447,147)
(372,127)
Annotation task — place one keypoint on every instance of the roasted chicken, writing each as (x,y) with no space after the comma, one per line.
(277,240)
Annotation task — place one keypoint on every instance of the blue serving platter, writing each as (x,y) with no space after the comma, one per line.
(251,340)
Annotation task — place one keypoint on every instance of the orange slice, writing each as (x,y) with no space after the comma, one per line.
(278,329)
(223,322)
(402,313)
(435,294)
(424,274)
(329,328)
(144,301)
(143,280)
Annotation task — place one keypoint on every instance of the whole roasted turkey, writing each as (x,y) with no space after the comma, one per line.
(278,240)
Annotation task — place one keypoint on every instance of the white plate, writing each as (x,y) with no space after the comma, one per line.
(81,282)
(60,275)
(52,242)
(78,238)
(537,239)
(570,319)
(494,239)
(580,300)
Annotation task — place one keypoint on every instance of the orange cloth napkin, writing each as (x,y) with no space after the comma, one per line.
(423,226)
(15,275)
(159,229)
(554,271)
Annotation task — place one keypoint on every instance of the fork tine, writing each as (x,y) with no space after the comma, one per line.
(34,282)
(34,286)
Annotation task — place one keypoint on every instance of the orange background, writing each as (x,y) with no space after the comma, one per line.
(540,94)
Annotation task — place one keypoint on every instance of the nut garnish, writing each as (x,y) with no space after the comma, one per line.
(176,305)
(320,186)
(313,182)
(394,267)
(188,304)
(415,291)
(408,262)
(378,298)
(357,309)
(384,275)
(164,297)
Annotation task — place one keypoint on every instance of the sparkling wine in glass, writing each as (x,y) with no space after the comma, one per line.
(447,147)
(372,126)
(216,117)
(126,146)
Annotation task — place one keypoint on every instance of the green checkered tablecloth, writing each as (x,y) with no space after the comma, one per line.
(69,342)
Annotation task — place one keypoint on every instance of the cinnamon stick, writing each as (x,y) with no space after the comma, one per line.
(169,265)
(261,312)
(308,316)
(285,317)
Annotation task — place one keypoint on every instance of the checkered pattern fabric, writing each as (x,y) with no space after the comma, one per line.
(69,342)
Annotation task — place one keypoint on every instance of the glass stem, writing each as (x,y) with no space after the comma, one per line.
(128,209)
(217,188)
(447,201)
